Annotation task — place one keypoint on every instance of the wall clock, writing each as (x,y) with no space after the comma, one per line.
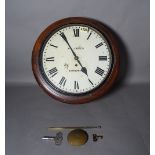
(76,60)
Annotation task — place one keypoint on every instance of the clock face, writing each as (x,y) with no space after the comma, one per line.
(75,59)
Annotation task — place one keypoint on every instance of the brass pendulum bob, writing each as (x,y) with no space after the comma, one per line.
(77,137)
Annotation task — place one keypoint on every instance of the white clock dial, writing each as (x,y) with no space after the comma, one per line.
(76,59)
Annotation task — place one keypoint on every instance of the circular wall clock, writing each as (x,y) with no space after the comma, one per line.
(76,60)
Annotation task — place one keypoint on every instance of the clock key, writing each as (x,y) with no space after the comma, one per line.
(57,139)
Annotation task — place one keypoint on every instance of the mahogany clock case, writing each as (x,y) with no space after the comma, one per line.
(89,96)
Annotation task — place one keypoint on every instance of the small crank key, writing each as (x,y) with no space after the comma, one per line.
(57,139)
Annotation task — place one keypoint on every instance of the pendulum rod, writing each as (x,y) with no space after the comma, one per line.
(75,127)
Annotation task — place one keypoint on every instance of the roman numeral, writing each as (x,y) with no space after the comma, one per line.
(90,81)
(89,36)
(53,71)
(53,45)
(50,59)
(63,81)
(102,58)
(98,45)
(99,71)
(76,32)
(76,85)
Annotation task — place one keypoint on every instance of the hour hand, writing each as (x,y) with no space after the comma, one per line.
(84,70)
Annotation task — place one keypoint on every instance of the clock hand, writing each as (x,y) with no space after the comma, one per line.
(64,37)
(83,69)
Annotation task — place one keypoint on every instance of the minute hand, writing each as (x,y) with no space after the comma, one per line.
(64,37)
(83,69)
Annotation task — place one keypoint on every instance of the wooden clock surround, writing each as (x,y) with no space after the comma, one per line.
(94,94)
